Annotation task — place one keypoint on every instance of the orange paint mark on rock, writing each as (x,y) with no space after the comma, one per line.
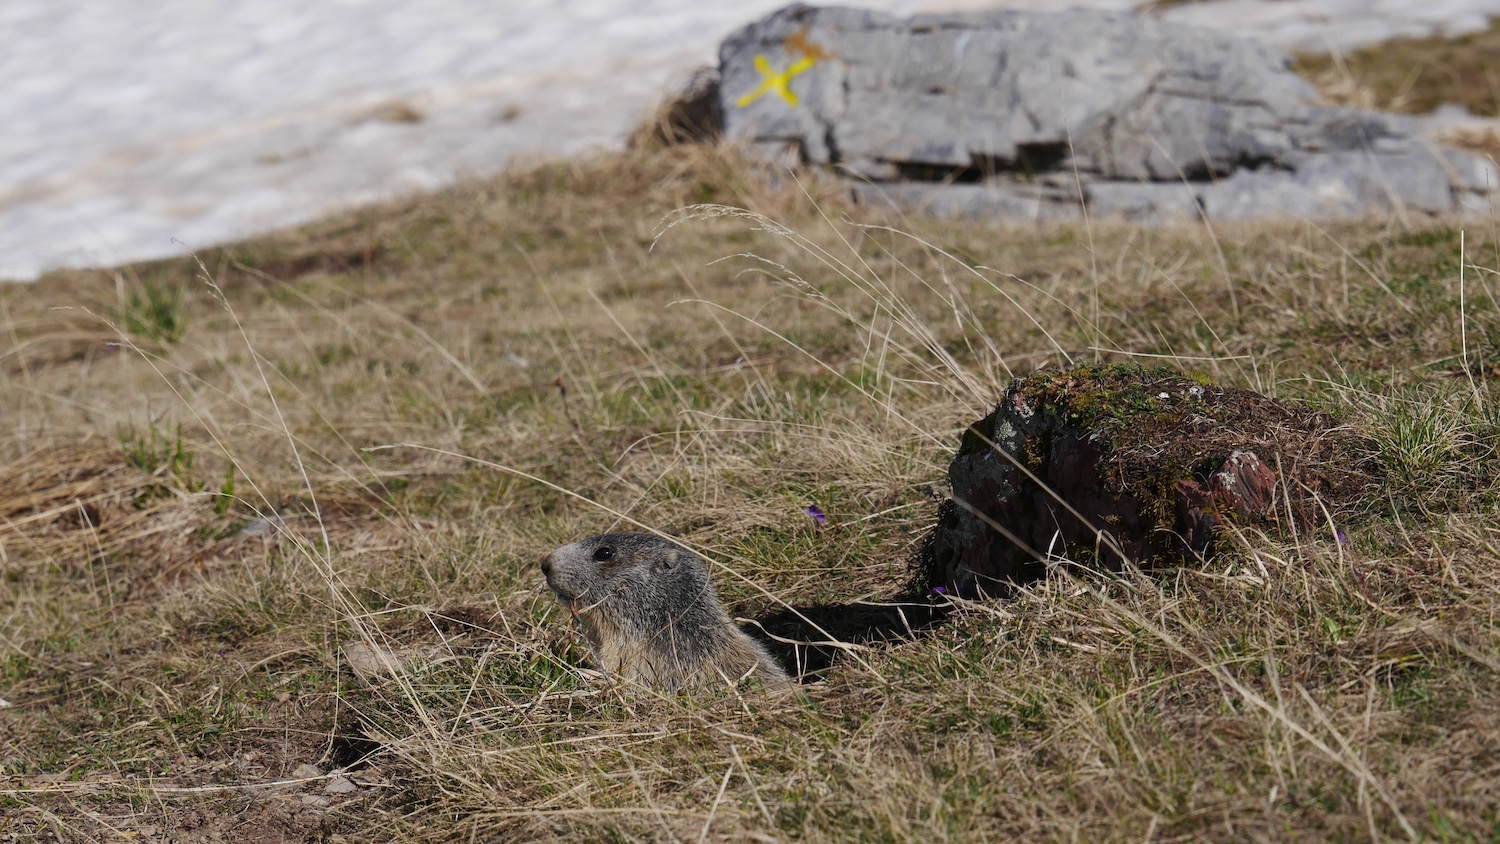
(799,45)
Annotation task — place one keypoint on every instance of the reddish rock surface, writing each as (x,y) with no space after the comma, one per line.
(1113,464)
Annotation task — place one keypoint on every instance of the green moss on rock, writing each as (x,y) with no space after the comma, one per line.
(1119,463)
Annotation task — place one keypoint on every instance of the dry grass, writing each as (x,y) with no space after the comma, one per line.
(195,533)
(1414,75)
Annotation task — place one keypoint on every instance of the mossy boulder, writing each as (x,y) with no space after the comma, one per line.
(1113,465)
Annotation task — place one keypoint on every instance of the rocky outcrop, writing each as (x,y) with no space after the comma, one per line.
(1109,465)
(1041,115)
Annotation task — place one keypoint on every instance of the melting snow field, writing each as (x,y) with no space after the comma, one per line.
(137,129)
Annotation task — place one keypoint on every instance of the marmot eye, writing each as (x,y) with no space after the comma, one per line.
(604,553)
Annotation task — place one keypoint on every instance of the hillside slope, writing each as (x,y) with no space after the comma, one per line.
(227,481)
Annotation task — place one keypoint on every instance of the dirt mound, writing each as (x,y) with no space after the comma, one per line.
(1114,464)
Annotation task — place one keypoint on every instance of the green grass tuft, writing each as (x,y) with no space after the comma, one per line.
(155,311)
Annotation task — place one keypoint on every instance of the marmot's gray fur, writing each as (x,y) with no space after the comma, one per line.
(651,616)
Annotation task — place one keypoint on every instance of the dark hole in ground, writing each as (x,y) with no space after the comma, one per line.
(902,619)
(351,747)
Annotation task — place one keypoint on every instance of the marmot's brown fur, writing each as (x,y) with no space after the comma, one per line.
(651,616)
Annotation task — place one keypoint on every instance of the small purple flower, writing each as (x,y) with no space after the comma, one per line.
(1339,536)
(815,514)
(938,590)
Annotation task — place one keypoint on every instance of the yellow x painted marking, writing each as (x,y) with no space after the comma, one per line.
(776,83)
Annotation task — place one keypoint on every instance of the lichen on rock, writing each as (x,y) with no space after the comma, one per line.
(1117,464)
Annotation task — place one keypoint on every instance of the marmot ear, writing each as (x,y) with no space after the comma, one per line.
(668,561)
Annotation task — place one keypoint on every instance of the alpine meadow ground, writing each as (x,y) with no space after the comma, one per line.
(221,476)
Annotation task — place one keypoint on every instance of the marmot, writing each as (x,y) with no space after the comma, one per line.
(650,614)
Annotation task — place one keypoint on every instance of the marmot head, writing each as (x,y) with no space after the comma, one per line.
(635,579)
(650,614)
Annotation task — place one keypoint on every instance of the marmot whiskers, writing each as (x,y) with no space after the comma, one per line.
(651,616)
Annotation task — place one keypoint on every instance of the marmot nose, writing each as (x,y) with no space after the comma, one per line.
(547,567)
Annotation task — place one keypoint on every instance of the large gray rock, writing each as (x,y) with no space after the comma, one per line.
(1153,121)
(1029,202)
